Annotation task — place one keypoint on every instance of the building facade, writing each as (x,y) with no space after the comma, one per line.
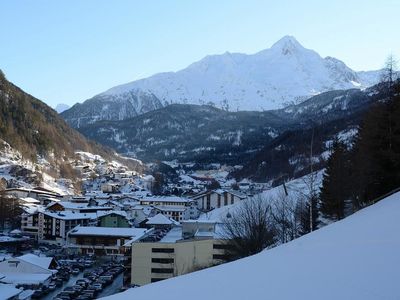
(217,198)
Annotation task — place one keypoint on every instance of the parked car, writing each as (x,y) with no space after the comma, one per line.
(37,294)
(97,286)
(52,286)
(75,271)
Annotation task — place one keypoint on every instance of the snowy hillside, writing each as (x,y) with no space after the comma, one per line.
(269,79)
(296,188)
(356,258)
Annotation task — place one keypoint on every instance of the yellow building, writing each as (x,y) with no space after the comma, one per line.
(173,256)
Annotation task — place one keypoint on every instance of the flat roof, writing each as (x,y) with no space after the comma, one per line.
(135,233)
(70,215)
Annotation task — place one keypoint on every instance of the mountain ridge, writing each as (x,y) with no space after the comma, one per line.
(272,78)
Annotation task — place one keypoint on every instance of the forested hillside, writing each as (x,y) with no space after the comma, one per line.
(36,131)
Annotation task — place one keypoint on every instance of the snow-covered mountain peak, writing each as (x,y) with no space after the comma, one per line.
(272,78)
(287,45)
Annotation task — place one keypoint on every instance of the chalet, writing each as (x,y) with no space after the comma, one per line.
(104,241)
(117,219)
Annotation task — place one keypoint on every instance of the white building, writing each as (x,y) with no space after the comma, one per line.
(178,208)
(217,198)
(182,250)
(54,226)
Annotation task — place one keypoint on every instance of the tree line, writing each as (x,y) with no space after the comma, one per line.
(355,176)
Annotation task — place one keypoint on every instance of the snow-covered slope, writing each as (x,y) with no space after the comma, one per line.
(264,80)
(296,188)
(356,258)
(268,79)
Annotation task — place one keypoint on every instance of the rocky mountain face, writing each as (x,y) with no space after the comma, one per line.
(285,74)
(111,107)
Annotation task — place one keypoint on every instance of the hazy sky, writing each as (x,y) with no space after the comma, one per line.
(68,51)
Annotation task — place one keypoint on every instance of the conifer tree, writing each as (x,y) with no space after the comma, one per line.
(334,192)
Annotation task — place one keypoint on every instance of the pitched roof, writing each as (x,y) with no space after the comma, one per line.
(40,261)
(8,291)
(159,219)
(121,213)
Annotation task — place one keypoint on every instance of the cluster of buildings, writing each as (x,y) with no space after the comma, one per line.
(157,236)
(19,275)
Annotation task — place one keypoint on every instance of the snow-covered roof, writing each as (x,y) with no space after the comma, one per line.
(8,291)
(40,261)
(69,205)
(7,239)
(70,215)
(30,200)
(342,253)
(174,199)
(159,219)
(111,212)
(25,278)
(135,233)
(233,192)
(170,208)
(197,221)
(175,234)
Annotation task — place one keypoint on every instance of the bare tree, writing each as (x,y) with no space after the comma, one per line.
(284,217)
(390,74)
(307,210)
(249,229)
(389,77)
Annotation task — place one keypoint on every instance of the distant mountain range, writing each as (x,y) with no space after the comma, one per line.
(61,107)
(205,134)
(274,78)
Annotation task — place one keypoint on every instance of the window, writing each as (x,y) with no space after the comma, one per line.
(220,256)
(221,246)
(162,250)
(156,279)
(208,201)
(162,260)
(225,199)
(162,270)
(219,201)
(232,199)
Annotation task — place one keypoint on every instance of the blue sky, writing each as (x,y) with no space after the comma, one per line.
(68,51)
